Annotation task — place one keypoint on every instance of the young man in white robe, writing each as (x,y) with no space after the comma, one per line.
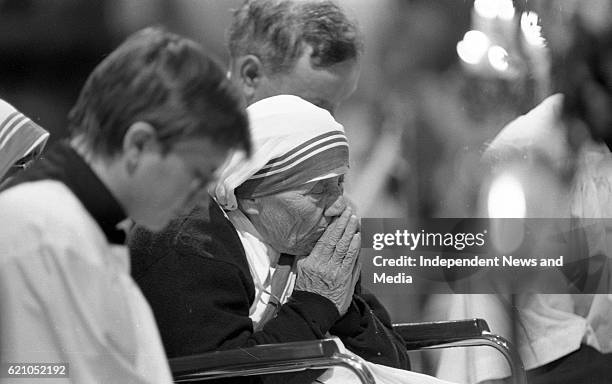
(152,123)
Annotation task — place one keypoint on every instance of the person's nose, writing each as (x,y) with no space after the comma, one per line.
(336,204)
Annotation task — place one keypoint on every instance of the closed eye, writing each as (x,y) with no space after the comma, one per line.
(317,189)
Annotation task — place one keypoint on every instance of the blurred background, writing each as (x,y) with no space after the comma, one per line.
(440,78)
(429,98)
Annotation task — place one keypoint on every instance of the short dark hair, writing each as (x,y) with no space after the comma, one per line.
(167,81)
(276,31)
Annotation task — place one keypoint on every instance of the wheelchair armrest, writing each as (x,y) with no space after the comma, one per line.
(460,333)
(267,359)
(421,335)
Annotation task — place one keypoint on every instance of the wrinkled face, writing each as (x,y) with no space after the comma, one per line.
(292,221)
(167,184)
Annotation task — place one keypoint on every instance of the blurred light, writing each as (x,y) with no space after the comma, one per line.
(506,198)
(486,8)
(490,9)
(531,29)
(498,57)
(473,47)
(506,10)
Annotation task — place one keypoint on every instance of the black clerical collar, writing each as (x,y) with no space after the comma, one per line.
(62,163)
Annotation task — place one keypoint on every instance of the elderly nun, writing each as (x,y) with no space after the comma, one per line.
(21,140)
(278,262)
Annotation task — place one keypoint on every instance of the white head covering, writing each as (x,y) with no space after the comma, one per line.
(294,142)
(19,136)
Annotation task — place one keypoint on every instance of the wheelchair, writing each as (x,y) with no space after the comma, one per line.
(322,354)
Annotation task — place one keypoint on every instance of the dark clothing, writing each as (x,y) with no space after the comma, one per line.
(62,163)
(584,366)
(196,277)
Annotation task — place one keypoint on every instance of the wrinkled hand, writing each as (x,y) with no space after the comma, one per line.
(332,269)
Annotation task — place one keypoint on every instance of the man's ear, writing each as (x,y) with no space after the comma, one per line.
(249,206)
(138,139)
(249,72)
